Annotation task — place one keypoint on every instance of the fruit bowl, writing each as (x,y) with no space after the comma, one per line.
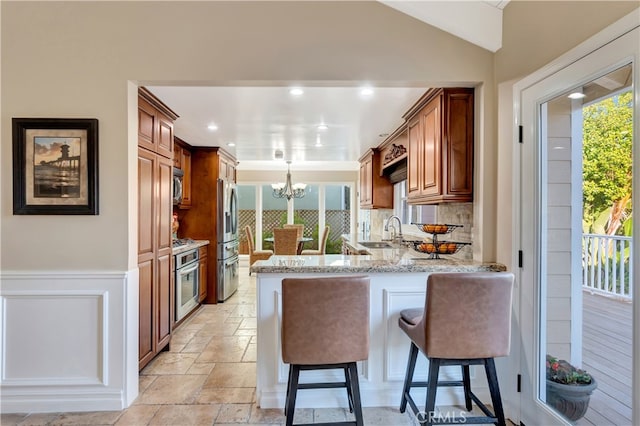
(436,248)
(436,228)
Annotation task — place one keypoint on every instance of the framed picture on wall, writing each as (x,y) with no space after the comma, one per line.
(55,166)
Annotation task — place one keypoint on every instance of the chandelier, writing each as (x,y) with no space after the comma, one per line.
(288,190)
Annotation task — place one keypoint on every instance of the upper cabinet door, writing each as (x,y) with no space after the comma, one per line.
(431,179)
(376,191)
(414,158)
(165,137)
(459,145)
(146,125)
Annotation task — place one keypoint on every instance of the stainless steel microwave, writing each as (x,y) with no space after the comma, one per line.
(177,185)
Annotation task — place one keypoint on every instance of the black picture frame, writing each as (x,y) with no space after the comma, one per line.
(55,166)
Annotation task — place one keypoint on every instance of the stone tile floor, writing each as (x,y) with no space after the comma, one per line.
(208,377)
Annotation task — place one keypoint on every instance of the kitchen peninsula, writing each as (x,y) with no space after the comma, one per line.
(398,279)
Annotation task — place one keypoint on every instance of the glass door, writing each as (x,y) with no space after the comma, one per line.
(576,175)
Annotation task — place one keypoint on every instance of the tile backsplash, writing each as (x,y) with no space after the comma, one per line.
(450,213)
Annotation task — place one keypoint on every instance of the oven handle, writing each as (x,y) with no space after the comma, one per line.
(188,270)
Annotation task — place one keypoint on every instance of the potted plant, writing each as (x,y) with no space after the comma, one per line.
(568,388)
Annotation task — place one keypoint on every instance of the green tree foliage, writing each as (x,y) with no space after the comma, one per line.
(607,154)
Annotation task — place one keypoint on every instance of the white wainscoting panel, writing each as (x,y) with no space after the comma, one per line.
(67,341)
(65,348)
(396,342)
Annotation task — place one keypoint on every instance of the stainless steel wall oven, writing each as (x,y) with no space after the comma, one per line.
(187,282)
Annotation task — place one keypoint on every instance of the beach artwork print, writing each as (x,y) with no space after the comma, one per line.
(56,167)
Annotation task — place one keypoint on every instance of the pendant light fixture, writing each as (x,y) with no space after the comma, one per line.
(288,190)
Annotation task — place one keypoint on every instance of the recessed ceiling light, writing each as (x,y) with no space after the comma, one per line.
(231,144)
(366,91)
(322,126)
(296,91)
(212,127)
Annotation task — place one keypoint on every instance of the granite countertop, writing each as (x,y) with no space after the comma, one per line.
(189,246)
(398,258)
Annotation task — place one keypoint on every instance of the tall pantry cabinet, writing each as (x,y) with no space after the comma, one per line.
(155,202)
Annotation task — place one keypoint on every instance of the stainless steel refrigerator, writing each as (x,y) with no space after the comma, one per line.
(227,233)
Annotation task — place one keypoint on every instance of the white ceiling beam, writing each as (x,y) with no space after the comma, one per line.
(477,22)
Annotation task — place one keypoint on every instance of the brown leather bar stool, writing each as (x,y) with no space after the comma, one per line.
(466,321)
(325,325)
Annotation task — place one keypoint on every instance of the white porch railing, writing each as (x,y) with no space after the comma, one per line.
(607,265)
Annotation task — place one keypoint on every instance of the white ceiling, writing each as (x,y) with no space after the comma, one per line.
(261,120)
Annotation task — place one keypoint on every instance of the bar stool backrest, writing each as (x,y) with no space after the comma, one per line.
(325,320)
(468,315)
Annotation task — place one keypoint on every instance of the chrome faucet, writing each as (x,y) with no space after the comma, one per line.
(387,225)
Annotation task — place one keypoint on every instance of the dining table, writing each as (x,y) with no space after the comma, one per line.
(301,242)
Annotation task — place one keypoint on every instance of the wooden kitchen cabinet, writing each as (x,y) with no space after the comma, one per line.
(155,124)
(202,253)
(155,177)
(200,222)
(228,169)
(177,154)
(183,151)
(376,190)
(440,147)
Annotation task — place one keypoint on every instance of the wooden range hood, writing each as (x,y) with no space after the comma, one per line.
(394,155)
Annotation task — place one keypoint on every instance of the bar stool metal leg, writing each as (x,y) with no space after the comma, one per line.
(432,387)
(290,404)
(466,382)
(411,366)
(494,389)
(355,391)
(347,380)
(286,399)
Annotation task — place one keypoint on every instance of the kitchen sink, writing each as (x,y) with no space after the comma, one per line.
(375,244)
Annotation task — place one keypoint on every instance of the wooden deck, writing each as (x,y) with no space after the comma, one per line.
(607,355)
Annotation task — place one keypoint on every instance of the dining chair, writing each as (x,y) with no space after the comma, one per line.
(466,320)
(285,241)
(255,254)
(325,325)
(322,244)
(298,226)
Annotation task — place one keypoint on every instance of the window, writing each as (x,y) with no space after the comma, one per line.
(322,204)
(408,213)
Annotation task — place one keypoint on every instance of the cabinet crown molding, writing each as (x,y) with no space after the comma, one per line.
(145,94)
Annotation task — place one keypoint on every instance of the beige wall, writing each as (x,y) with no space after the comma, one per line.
(75,59)
(536,32)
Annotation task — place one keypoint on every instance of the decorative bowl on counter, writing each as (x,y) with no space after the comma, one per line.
(436,248)
(436,228)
